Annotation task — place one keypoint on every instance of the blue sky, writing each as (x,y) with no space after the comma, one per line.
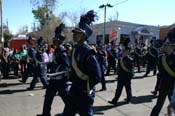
(151,12)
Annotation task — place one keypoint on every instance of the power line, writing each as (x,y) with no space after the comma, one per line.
(120,2)
(100,10)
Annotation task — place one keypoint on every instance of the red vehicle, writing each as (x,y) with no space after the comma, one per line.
(18,42)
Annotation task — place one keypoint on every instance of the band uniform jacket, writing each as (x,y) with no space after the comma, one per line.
(167,81)
(128,63)
(87,63)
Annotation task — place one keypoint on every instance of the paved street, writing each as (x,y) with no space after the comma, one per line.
(16,101)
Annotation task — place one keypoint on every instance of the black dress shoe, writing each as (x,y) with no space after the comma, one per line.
(127,101)
(154,92)
(21,81)
(29,88)
(44,87)
(112,102)
(103,89)
(42,115)
(39,115)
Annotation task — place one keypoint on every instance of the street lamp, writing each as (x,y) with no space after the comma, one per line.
(104,6)
(109,5)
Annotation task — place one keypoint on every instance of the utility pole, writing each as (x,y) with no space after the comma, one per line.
(2,35)
(104,6)
(34,27)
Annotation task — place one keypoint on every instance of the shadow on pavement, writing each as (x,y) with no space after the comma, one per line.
(59,114)
(140,77)
(98,109)
(140,71)
(142,99)
(8,91)
(111,81)
(9,84)
(12,77)
(135,100)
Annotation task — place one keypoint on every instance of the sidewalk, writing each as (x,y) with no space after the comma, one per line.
(15,100)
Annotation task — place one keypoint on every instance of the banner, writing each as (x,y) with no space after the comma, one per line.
(113,34)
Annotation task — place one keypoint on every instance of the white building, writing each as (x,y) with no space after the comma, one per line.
(136,32)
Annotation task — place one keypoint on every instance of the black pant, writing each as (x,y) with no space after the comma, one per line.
(157,83)
(29,72)
(160,101)
(137,61)
(15,67)
(151,66)
(103,81)
(40,72)
(80,102)
(121,83)
(5,70)
(54,86)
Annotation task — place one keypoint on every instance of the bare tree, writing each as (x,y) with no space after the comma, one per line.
(48,30)
(62,16)
(23,30)
(43,12)
(73,18)
(114,17)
